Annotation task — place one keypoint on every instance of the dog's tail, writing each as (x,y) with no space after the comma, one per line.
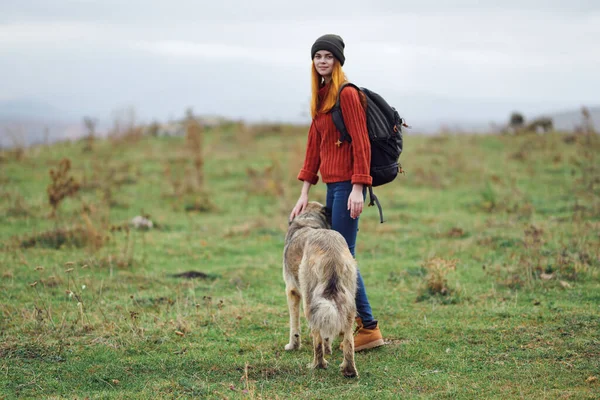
(325,317)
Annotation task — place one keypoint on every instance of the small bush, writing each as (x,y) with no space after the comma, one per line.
(436,282)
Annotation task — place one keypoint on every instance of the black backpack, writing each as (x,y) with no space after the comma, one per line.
(385,134)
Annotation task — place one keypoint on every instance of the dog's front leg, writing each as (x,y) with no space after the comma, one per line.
(347,366)
(293,300)
(318,360)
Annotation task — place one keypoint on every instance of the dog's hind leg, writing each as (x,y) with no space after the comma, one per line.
(347,366)
(327,344)
(318,360)
(293,300)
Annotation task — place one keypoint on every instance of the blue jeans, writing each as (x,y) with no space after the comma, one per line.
(337,204)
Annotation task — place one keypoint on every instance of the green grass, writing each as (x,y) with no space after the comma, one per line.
(519,216)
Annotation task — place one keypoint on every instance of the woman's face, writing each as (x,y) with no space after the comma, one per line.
(324,62)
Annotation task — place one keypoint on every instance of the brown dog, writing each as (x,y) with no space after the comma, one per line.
(319,269)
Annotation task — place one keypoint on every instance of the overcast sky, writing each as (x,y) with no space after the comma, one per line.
(434,60)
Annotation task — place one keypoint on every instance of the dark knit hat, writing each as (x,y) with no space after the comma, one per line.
(333,43)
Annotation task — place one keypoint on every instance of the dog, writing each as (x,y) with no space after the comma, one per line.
(319,269)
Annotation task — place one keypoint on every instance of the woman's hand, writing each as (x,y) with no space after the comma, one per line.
(356,201)
(300,206)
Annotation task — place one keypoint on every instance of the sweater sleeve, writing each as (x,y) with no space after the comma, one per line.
(355,119)
(312,159)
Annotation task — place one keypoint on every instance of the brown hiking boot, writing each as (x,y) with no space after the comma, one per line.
(367,338)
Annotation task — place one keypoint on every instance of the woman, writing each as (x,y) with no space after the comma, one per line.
(344,166)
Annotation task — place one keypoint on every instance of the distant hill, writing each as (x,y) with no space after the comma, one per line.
(569,120)
(28,131)
(566,121)
(28,121)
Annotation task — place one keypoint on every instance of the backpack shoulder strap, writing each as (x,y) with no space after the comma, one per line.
(336,114)
(337,101)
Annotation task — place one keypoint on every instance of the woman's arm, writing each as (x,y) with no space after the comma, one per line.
(308,173)
(355,119)
(302,201)
(312,158)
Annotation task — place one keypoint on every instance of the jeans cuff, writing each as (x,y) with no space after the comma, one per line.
(370,324)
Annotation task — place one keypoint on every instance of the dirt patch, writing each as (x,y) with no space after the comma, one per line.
(193,275)
(454,232)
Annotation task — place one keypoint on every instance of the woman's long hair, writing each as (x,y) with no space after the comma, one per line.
(337,78)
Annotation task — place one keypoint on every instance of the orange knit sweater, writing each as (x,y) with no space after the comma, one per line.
(338,162)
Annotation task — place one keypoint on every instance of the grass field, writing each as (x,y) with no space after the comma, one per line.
(485,276)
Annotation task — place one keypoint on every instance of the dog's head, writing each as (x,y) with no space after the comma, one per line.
(315,215)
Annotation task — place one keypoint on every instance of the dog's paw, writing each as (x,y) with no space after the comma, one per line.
(350,373)
(315,365)
(348,370)
(292,346)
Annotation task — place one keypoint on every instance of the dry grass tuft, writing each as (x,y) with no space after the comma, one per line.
(454,232)
(52,281)
(8,274)
(436,281)
(194,140)
(56,238)
(437,271)
(63,185)
(201,203)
